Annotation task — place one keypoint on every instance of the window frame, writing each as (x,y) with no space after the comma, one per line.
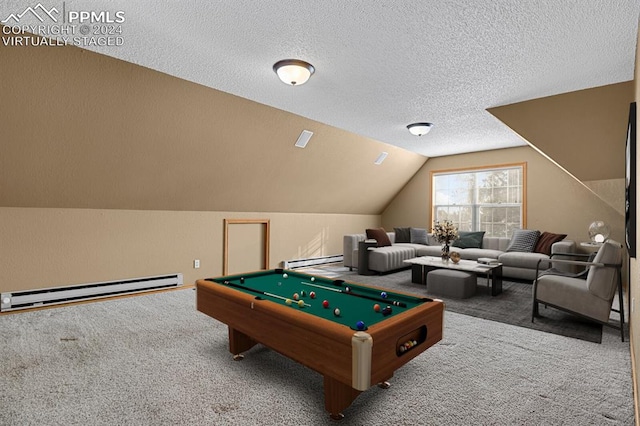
(522,165)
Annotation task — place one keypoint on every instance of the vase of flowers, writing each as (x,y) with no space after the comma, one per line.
(445,232)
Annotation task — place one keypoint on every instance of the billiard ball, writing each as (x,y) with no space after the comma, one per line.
(360,325)
(242,280)
(303,293)
(336,312)
(376,307)
(386,311)
(383,294)
(312,295)
(288,301)
(313,279)
(285,276)
(347,289)
(325,303)
(296,296)
(301,303)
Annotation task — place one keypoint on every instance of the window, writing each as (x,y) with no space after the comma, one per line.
(489,199)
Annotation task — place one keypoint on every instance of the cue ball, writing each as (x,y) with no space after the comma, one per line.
(285,276)
(360,325)
(376,307)
(383,294)
(313,279)
(325,303)
(312,295)
(336,312)
(301,303)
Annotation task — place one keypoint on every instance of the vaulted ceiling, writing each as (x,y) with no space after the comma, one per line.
(380,65)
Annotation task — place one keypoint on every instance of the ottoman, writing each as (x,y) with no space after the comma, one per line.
(447,282)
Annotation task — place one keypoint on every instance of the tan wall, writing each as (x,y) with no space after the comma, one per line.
(82,130)
(556,202)
(598,118)
(56,247)
(110,170)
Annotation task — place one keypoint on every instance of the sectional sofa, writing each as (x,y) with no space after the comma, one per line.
(515,264)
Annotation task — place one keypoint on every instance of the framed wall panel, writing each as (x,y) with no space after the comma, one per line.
(244,241)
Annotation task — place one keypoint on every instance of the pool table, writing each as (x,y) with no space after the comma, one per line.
(353,349)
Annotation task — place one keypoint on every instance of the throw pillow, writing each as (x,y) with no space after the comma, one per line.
(523,240)
(469,239)
(419,236)
(546,240)
(403,235)
(380,235)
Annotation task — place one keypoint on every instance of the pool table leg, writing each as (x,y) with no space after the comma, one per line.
(238,343)
(337,397)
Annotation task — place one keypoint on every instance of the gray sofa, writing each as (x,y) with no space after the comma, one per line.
(390,258)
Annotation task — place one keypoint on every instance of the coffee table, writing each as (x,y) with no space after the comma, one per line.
(420,266)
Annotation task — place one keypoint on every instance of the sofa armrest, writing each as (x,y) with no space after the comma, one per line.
(566,248)
(349,246)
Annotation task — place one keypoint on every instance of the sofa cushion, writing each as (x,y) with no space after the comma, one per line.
(419,236)
(429,251)
(403,235)
(383,259)
(475,254)
(524,260)
(546,240)
(523,240)
(380,235)
(469,239)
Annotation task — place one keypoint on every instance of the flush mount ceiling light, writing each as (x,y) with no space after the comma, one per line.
(419,129)
(293,72)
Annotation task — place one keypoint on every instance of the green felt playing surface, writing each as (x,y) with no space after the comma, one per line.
(352,308)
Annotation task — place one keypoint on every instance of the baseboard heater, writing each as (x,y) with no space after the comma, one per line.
(56,295)
(312,261)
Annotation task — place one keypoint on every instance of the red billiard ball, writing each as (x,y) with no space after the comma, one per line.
(325,303)
(376,307)
(312,295)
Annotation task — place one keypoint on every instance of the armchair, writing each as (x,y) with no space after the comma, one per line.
(590,298)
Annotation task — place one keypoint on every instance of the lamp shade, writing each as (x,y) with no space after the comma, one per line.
(293,72)
(419,129)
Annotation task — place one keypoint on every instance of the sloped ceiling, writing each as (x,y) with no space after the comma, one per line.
(380,64)
(84,130)
(584,131)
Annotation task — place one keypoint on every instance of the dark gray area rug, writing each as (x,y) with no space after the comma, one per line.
(513,306)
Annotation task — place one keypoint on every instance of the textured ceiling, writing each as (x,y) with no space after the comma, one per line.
(381,65)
